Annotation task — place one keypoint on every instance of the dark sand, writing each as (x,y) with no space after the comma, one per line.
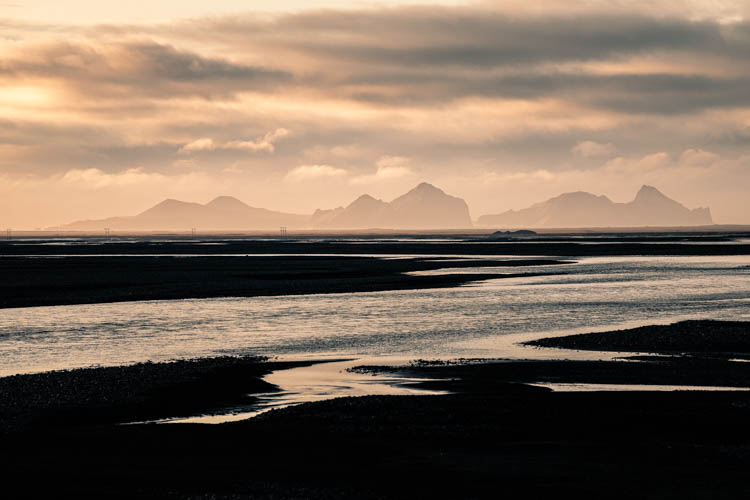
(515,441)
(82,280)
(495,437)
(653,371)
(144,391)
(91,270)
(724,338)
(706,244)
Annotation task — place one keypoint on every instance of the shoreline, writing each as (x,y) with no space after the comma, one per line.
(178,389)
(93,280)
(142,391)
(701,338)
(580,245)
(492,427)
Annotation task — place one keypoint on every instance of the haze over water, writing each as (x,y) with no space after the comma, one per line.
(470,321)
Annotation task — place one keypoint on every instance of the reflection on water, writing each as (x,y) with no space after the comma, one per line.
(634,387)
(313,383)
(470,321)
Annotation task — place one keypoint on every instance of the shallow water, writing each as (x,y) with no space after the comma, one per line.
(307,384)
(470,321)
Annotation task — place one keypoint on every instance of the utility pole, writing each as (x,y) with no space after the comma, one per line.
(7,233)
(192,232)
(106,232)
(283,231)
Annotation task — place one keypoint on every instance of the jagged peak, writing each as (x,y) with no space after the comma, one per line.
(366,199)
(168,205)
(577,195)
(170,201)
(225,201)
(649,192)
(422,191)
(426,187)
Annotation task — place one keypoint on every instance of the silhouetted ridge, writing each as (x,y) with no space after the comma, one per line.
(227,202)
(221,213)
(170,206)
(650,207)
(423,207)
(647,193)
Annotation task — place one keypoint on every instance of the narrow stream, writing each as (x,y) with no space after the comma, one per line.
(330,379)
(318,382)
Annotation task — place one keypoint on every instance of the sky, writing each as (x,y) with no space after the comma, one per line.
(107,108)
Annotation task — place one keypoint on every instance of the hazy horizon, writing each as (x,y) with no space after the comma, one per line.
(107,110)
(423,207)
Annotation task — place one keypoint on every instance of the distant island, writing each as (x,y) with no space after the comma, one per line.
(580,209)
(511,235)
(424,207)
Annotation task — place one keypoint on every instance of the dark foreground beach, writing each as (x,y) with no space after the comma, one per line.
(495,435)
(39,272)
(47,281)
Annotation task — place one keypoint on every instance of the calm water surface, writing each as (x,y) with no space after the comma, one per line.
(470,321)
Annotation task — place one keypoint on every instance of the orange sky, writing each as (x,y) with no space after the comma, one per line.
(108,110)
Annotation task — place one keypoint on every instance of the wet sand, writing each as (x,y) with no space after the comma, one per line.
(564,246)
(41,281)
(511,440)
(143,391)
(495,435)
(717,338)
(93,270)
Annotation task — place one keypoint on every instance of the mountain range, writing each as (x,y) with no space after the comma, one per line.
(579,209)
(224,212)
(423,207)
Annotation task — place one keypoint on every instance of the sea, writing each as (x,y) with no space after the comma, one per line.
(485,319)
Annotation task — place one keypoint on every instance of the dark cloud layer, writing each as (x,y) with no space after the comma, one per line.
(142,69)
(416,56)
(466,38)
(451,91)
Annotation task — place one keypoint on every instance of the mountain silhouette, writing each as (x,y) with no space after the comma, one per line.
(423,207)
(579,209)
(224,212)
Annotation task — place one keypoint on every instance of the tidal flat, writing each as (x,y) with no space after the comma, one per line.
(537,423)
(494,431)
(55,280)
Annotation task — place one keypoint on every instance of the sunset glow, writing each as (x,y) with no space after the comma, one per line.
(300,105)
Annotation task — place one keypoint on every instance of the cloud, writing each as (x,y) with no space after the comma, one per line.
(607,57)
(639,166)
(262,144)
(266,143)
(129,70)
(93,178)
(698,158)
(589,149)
(204,144)
(393,167)
(530,98)
(389,168)
(314,172)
